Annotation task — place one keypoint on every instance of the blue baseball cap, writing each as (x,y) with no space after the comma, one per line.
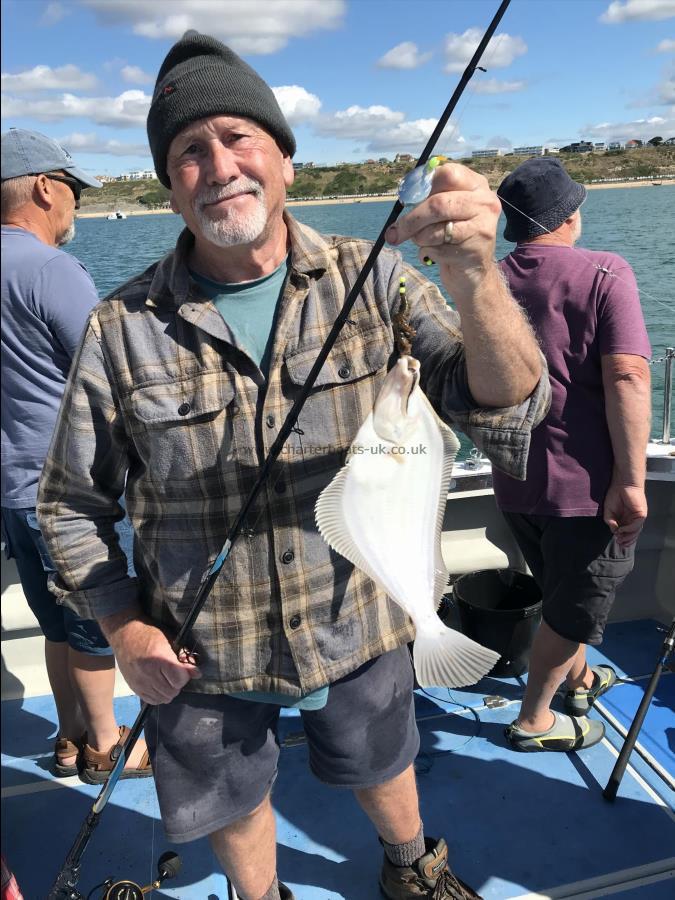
(31,153)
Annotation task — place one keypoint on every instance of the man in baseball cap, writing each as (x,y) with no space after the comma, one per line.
(47,296)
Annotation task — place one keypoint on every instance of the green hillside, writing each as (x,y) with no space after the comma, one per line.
(376,178)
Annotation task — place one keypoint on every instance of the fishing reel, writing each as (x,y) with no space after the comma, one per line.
(168,866)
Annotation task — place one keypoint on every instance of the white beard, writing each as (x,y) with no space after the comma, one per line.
(67,236)
(233,227)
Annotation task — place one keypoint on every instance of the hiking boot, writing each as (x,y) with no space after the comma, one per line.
(579,702)
(567,733)
(429,876)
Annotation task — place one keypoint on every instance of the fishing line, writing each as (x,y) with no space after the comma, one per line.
(465,706)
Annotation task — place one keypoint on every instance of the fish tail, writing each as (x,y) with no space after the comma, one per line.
(447,658)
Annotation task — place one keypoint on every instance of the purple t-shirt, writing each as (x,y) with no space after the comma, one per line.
(582,304)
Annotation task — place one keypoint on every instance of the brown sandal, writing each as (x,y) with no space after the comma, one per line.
(63,748)
(97,766)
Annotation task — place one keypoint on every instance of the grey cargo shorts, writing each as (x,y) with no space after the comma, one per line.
(214,757)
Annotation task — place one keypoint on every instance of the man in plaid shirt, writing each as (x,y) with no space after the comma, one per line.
(183,379)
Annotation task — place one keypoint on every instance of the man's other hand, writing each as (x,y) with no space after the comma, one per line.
(624,511)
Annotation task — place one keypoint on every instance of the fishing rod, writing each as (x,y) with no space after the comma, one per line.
(64,887)
(612,786)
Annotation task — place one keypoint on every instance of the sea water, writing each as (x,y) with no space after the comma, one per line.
(637,223)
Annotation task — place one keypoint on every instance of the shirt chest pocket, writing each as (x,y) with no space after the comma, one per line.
(183,431)
(347,385)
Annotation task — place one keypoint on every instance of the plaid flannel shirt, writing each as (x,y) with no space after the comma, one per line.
(163,405)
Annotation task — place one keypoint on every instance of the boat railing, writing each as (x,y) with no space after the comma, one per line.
(667,361)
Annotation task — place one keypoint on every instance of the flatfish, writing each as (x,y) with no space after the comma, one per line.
(384,510)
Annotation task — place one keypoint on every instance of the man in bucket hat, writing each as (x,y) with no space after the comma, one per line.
(186,375)
(579,512)
(47,296)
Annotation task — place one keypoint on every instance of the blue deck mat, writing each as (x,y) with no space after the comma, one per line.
(514,823)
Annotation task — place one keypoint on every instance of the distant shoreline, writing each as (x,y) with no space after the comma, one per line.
(335,200)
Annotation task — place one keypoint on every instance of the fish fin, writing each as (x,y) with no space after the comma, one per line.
(334,528)
(448,658)
(450,448)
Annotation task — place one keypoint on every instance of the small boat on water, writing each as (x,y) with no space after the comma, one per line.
(657,183)
(118,214)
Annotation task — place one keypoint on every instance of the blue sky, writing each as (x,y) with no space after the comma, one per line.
(355,78)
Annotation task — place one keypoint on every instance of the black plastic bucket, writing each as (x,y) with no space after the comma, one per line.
(501,609)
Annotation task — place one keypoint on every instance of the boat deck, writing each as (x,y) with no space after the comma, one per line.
(517,825)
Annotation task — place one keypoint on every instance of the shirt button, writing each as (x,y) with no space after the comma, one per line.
(287,557)
(295,622)
(270,420)
(234,409)
(184,409)
(280,487)
(344,371)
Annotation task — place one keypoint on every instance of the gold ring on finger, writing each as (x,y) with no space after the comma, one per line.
(447,232)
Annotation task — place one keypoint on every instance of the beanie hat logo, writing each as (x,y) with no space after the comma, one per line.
(169,89)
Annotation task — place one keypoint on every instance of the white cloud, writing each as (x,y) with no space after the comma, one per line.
(666,46)
(666,94)
(44,78)
(136,75)
(53,14)
(93,143)
(640,129)
(500,52)
(380,129)
(297,104)
(492,86)
(127,110)
(637,11)
(403,56)
(248,26)
(499,141)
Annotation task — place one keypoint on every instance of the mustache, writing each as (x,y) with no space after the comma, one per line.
(244,184)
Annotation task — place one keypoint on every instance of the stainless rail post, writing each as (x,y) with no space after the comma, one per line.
(667,393)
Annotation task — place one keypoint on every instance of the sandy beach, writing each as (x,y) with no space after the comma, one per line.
(134,211)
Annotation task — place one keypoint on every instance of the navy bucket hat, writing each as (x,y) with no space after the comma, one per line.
(537,197)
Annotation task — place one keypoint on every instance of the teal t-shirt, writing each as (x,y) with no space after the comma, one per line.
(249,308)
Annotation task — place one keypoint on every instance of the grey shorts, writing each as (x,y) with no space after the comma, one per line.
(578,566)
(215,757)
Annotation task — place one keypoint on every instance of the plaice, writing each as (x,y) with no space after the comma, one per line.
(384,510)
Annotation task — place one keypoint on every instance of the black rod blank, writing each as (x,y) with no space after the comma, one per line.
(612,786)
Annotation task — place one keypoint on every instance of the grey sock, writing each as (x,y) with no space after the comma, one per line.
(272,892)
(408,853)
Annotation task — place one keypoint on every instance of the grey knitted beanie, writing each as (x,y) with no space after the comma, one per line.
(201,77)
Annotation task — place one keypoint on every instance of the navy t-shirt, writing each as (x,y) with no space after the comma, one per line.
(47,296)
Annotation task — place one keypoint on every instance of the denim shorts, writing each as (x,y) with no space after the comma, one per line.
(578,566)
(214,757)
(24,543)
